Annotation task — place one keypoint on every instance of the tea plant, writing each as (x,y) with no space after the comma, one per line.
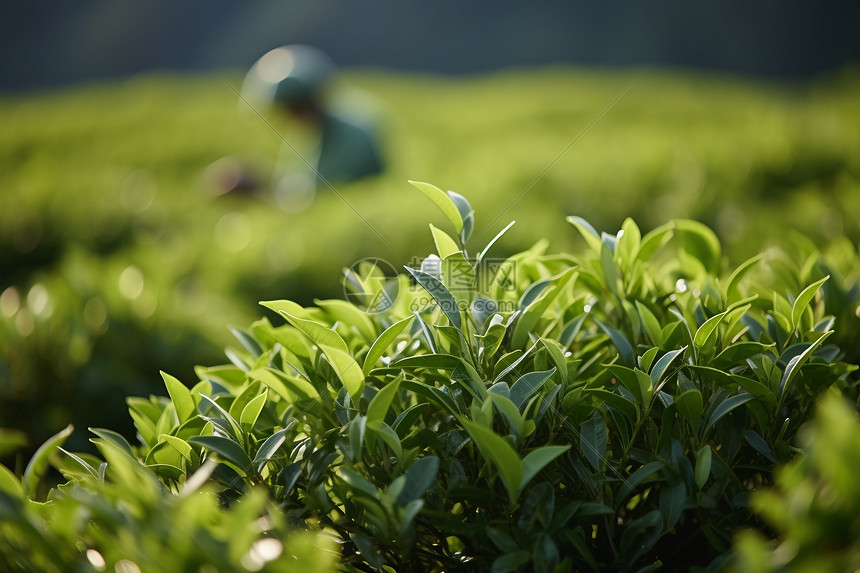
(103,177)
(115,515)
(605,411)
(815,502)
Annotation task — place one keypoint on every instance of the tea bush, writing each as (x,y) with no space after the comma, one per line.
(544,412)
(120,518)
(102,178)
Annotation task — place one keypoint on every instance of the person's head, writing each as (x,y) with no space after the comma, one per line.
(292,78)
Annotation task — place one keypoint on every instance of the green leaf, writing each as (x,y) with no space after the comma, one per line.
(652,325)
(403,423)
(381,344)
(443,201)
(653,240)
(145,427)
(754,387)
(703,465)
(432,361)
(387,435)
(183,403)
(248,341)
(180,446)
(610,271)
(593,440)
(458,276)
(724,408)
(290,387)
(535,310)
(803,299)
(252,410)
(440,294)
(445,245)
(510,562)
(510,412)
(114,438)
(704,332)
(492,338)
(268,448)
(467,214)
(646,359)
(424,328)
(628,242)
(495,449)
(250,392)
(538,459)
(337,352)
(738,352)
(432,393)
(528,384)
(794,366)
(357,481)
(40,460)
(757,442)
(230,424)
(350,316)
(226,448)
(732,282)
(690,405)
(9,482)
(617,401)
(663,364)
(672,503)
(620,341)
(556,354)
(379,405)
(486,249)
(635,479)
(288,306)
(419,477)
(701,242)
(531,293)
(88,467)
(640,535)
(591,236)
(637,382)
(510,367)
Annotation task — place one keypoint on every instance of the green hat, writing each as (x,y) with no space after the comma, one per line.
(287,75)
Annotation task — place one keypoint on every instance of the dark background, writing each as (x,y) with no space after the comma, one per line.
(59,42)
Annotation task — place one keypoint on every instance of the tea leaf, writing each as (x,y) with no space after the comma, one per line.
(379,405)
(337,352)
(181,396)
(501,454)
(538,459)
(445,245)
(39,462)
(528,384)
(379,346)
(803,299)
(593,440)
(440,294)
(226,448)
(443,201)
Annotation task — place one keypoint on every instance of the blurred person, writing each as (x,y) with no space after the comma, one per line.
(296,81)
